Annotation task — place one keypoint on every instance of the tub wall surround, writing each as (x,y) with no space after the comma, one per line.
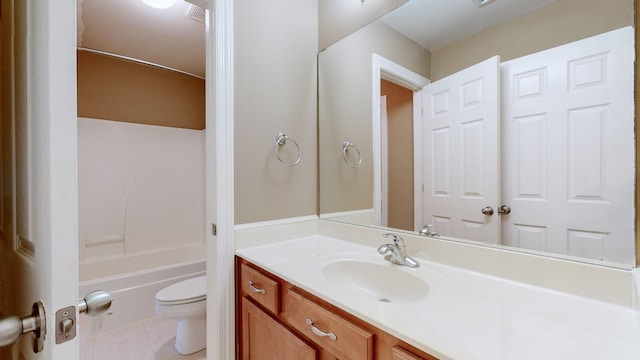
(141,190)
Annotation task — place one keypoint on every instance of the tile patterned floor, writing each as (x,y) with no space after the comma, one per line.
(151,339)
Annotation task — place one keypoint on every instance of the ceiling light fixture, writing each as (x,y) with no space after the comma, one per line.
(160,4)
(481,3)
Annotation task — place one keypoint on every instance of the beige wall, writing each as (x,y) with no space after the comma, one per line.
(339,18)
(344,105)
(557,24)
(400,155)
(114,89)
(276,44)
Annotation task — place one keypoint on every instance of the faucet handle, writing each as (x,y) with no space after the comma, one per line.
(384,248)
(397,239)
(427,230)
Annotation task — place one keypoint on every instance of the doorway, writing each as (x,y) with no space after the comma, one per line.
(396,115)
(142,163)
(387,70)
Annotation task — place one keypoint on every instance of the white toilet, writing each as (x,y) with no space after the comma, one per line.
(186,301)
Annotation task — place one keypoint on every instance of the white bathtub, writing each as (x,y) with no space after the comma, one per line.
(133,282)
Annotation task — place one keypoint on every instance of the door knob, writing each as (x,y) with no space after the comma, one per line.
(95,303)
(487,210)
(12,327)
(504,210)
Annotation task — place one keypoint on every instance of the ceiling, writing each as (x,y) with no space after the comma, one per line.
(130,28)
(436,23)
(171,38)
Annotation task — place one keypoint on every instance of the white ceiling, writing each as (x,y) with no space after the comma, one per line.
(436,23)
(132,29)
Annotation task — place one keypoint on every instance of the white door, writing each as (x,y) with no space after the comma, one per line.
(38,223)
(460,153)
(569,148)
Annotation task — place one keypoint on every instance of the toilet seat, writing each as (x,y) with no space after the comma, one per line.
(183,292)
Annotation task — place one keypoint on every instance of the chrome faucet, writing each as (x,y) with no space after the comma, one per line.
(427,230)
(396,252)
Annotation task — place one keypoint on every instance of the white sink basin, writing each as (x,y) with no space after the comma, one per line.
(384,282)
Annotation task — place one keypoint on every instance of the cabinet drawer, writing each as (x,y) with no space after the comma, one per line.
(398,353)
(261,288)
(350,341)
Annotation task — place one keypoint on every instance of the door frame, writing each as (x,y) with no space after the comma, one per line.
(383,68)
(219,178)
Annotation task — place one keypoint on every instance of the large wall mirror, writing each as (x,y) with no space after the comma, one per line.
(547,165)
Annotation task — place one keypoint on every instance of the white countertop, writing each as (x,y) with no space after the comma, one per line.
(465,315)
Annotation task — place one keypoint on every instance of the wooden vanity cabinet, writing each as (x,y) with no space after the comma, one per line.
(263,337)
(273,324)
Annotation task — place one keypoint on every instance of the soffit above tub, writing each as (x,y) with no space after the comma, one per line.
(167,37)
(436,23)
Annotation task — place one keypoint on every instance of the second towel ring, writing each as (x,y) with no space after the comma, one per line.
(346,146)
(281,140)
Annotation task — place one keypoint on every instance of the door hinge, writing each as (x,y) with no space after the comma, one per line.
(214,229)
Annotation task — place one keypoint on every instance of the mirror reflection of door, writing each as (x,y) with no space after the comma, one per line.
(566,160)
(460,153)
(568,151)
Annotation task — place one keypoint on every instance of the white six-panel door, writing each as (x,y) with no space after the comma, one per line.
(460,152)
(38,226)
(568,151)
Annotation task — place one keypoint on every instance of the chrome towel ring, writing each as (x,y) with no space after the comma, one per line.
(346,146)
(281,140)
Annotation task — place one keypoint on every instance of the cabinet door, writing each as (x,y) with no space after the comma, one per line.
(264,338)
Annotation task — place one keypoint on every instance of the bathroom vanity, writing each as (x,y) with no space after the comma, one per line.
(282,321)
(331,295)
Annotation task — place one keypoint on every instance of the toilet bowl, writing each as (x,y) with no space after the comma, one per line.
(186,301)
